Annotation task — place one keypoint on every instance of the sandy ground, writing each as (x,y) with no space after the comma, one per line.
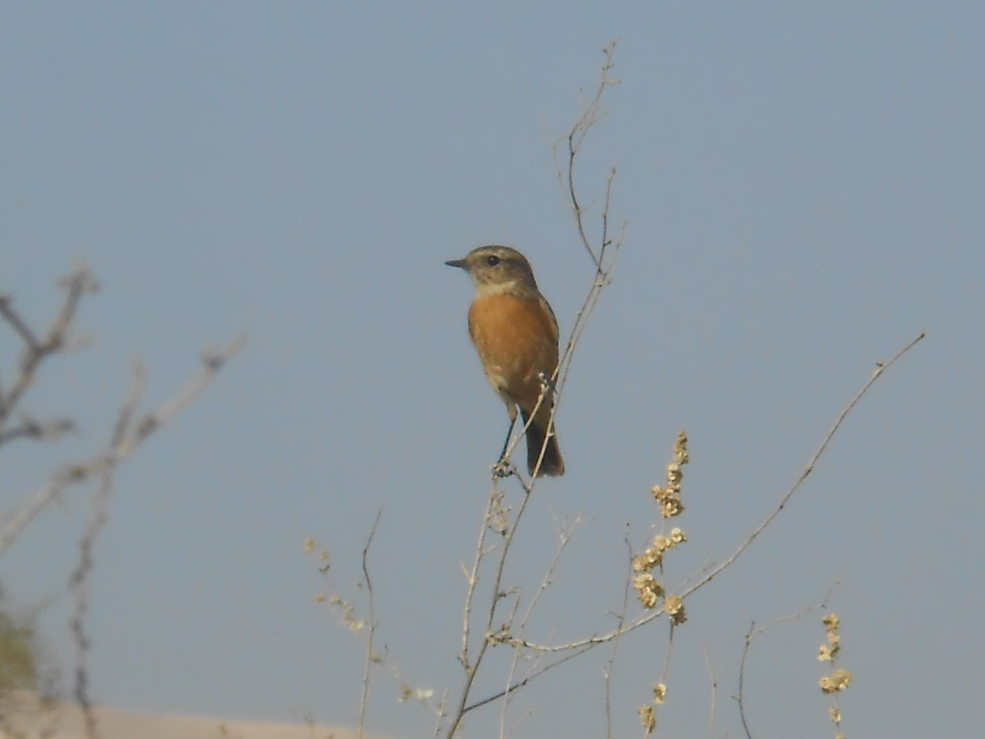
(66,722)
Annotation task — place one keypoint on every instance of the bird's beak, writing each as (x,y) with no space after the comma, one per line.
(460,263)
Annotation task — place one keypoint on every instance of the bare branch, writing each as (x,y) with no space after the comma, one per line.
(710,574)
(497,594)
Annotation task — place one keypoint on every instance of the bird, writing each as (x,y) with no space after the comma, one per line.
(516,336)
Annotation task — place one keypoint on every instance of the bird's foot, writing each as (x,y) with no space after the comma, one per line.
(503,468)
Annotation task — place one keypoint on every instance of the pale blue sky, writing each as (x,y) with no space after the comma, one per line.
(804,187)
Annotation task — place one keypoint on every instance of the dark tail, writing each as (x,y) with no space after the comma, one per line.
(552,464)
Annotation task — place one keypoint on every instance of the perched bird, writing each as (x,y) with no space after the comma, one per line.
(516,334)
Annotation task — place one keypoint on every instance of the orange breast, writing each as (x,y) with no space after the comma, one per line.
(517,339)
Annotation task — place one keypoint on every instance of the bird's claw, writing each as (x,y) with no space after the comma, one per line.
(502,469)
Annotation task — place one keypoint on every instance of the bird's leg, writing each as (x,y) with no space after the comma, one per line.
(502,466)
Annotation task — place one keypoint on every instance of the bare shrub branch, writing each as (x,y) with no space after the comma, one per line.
(127,438)
(497,517)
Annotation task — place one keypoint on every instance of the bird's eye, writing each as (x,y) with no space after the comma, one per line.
(492,260)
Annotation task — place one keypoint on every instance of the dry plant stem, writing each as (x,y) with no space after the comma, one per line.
(602,261)
(709,575)
(713,679)
(473,578)
(440,714)
(472,667)
(114,454)
(620,620)
(754,633)
(344,613)
(740,698)
(670,649)
(370,653)
(514,662)
(565,532)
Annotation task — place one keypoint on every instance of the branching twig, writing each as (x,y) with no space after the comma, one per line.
(77,284)
(591,114)
(497,594)
(602,261)
(78,472)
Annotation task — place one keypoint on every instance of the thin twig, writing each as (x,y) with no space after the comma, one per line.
(620,620)
(566,531)
(742,681)
(876,374)
(514,663)
(713,679)
(591,114)
(370,651)
(646,618)
(525,681)
(754,633)
(473,578)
